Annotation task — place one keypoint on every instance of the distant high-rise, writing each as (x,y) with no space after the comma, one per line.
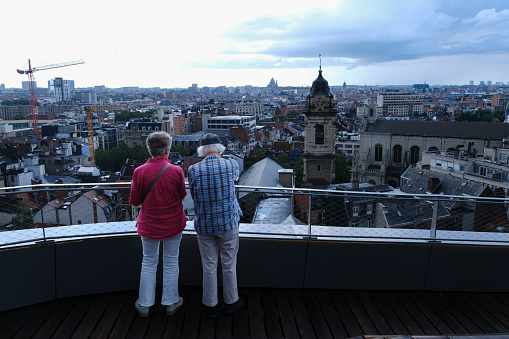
(25,85)
(344,89)
(100,89)
(489,82)
(170,95)
(471,82)
(481,83)
(61,89)
(2,87)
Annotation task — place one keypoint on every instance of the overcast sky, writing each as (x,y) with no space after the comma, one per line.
(235,43)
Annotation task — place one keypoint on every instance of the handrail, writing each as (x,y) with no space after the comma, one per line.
(320,217)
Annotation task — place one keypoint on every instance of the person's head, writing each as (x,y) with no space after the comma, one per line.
(210,143)
(158,143)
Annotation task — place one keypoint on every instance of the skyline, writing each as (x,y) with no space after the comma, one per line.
(229,43)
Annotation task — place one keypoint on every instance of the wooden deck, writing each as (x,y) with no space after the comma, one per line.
(268,313)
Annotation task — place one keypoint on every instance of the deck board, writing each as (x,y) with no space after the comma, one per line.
(268,313)
(331,316)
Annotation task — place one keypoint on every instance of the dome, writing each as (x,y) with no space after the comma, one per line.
(320,86)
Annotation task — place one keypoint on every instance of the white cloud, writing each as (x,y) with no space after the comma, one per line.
(156,43)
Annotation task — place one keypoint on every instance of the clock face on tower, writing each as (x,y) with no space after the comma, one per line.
(319,101)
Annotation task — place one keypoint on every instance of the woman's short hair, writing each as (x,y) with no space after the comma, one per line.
(212,148)
(158,143)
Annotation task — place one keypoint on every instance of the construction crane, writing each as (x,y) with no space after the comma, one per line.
(31,83)
(91,147)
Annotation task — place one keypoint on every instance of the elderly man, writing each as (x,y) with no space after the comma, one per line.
(217,215)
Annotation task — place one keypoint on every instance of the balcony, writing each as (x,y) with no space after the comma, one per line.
(301,272)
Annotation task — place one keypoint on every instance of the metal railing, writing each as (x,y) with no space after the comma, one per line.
(52,212)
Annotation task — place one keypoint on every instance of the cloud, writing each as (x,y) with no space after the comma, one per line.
(367,32)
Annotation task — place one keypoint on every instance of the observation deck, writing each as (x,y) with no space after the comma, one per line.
(434,274)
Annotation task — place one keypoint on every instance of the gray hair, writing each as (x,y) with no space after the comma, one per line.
(212,148)
(158,143)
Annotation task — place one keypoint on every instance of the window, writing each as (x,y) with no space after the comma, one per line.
(396,154)
(318,168)
(369,223)
(355,211)
(369,209)
(378,152)
(414,154)
(319,135)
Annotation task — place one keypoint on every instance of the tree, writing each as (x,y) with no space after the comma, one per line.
(299,171)
(16,102)
(114,159)
(183,150)
(342,169)
(127,115)
(258,155)
(23,219)
(284,159)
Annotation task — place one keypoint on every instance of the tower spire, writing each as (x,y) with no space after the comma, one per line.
(320,57)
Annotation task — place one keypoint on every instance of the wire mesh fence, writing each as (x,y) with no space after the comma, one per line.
(49,212)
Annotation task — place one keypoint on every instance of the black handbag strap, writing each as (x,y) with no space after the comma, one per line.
(154,181)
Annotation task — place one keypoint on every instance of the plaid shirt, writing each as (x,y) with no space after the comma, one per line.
(212,186)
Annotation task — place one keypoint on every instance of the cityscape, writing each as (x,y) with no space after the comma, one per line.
(362,138)
(372,140)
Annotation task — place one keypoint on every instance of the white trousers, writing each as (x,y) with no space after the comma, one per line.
(148,273)
(211,246)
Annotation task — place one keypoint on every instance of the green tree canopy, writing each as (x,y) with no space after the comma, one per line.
(258,155)
(482,115)
(299,171)
(16,102)
(127,115)
(23,219)
(114,159)
(284,159)
(183,150)
(342,170)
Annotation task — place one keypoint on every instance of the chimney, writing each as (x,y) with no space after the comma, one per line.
(433,184)
(355,184)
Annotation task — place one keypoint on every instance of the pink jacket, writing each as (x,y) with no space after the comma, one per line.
(162,214)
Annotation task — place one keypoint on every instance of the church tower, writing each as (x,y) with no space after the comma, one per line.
(320,134)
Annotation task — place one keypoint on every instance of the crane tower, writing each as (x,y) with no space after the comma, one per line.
(31,81)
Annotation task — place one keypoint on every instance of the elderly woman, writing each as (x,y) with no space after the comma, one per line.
(160,188)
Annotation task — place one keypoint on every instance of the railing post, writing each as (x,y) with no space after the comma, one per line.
(309,216)
(433,229)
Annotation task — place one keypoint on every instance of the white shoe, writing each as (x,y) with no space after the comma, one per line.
(171,309)
(142,310)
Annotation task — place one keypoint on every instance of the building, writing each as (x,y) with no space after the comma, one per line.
(388,147)
(246,108)
(137,130)
(221,124)
(61,89)
(401,104)
(87,97)
(320,131)
(491,169)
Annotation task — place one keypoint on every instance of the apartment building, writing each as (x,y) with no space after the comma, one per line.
(246,108)
(401,104)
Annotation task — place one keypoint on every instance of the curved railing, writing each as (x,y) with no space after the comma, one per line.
(52,212)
